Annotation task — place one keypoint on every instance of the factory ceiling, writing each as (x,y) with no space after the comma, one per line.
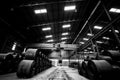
(57,21)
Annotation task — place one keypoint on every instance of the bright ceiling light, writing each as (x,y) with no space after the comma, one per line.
(69,8)
(48,36)
(118,11)
(63,42)
(63,34)
(110,30)
(46,29)
(89,34)
(82,43)
(85,50)
(116,31)
(115,10)
(97,27)
(100,42)
(66,26)
(85,39)
(89,48)
(107,38)
(51,40)
(40,11)
(63,38)
(14,46)
(112,10)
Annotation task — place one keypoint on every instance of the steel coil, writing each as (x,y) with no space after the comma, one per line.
(115,55)
(99,69)
(26,69)
(32,54)
(80,67)
(84,68)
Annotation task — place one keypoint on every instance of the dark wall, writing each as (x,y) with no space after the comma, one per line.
(7,38)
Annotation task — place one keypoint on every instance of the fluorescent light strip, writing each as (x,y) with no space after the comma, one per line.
(89,34)
(89,48)
(63,42)
(85,50)
(69,8)
(14,46)
(85,39)
(46,29)
(82,43)
(63,34)
(51,40)
(63,38)
(100,42)
(116,31)
(115,10)
(40,11)
(48,36)
(107,38)
(97,27)
(66,26)
(112,10)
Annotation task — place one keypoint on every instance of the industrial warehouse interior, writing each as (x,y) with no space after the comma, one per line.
(59,39)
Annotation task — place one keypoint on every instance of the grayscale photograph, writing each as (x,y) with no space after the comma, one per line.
(60,40)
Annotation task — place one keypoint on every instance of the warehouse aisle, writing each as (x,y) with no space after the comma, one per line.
(54,73)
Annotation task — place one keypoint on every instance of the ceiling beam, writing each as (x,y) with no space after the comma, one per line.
(107,27)
(87,21)
(59,22)
(45,3)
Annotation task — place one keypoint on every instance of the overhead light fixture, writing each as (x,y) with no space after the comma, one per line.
(63,42)
(51,40)
(98,27)
(85,50)
(115,10)
(40,11)
(110,30)
(63,38)
(82,43)
(63,34)
(116,31)
(107,38)
(14,46)
(66,26)
(89,34)
(85,39)
(46,29)
(69,8)
(100,42)
(89,48)
(48,36)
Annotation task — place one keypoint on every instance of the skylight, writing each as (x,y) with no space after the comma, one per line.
(69,8)
(97,27)
(40,11)
(46,29)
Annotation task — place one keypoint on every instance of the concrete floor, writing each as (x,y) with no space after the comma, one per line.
(57,72)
